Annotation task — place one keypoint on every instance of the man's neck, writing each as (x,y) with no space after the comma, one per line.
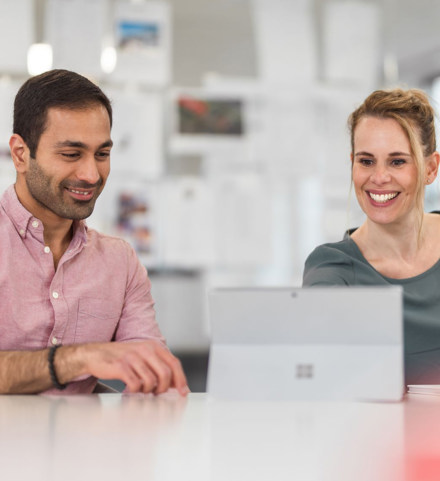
(58,239)
(58,232)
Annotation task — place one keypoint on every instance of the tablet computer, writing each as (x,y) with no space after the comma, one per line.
(313,343)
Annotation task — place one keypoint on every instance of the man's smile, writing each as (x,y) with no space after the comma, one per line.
(83,195)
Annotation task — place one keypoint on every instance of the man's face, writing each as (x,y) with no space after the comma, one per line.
(71,164)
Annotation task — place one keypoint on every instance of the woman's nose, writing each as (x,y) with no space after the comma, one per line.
(380,175)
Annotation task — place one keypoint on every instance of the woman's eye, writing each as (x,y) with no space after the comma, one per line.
(366,162)
(398,162)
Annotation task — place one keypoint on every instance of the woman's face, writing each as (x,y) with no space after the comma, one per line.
(384,171)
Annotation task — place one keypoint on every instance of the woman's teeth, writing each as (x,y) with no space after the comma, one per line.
(382,198)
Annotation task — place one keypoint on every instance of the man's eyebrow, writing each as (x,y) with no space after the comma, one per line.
(109,143)
(81,145)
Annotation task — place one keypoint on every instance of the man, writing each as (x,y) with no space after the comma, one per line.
(76,305)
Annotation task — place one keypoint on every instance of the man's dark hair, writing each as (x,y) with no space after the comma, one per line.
(56,88)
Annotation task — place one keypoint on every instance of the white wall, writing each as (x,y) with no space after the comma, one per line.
(245,212)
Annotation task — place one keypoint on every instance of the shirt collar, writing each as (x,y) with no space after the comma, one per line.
(23,219)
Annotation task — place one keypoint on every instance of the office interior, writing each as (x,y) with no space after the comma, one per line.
(231,155)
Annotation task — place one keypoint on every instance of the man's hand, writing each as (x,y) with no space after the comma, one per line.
(144,366)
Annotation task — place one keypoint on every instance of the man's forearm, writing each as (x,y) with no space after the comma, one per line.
(144,366)
(24,372)
(27,372)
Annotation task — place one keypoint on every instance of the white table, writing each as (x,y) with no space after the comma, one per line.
(136,437)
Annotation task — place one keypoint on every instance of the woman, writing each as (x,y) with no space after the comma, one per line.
(393,157)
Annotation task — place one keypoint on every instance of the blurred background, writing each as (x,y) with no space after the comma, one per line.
(231,157)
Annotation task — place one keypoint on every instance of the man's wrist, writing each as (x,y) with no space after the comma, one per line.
(52,371)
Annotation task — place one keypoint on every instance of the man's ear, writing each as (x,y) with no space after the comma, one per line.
(19,152)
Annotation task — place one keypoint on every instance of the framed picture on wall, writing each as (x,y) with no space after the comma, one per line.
(205,122)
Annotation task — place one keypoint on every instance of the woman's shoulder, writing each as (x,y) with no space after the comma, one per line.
(341,251)
(331,263)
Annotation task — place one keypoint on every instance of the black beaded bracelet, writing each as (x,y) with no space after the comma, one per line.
(52,372)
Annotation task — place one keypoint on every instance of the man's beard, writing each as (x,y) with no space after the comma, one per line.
(53,198)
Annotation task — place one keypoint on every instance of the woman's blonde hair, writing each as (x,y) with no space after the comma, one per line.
(412,111)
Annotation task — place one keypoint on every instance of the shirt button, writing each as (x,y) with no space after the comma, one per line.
(55,294)
(22,232)
(54,341)
(46,249)
(35,223)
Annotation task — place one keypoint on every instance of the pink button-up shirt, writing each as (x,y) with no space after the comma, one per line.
(99,292)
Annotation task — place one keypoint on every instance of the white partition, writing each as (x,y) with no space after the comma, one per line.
(137,133)
(286,41)
(17,34)
(75,29)
(352,42)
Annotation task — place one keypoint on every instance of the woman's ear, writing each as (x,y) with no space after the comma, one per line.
(19,153)
(432,164)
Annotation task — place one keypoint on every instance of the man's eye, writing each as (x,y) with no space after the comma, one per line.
(70,155)
(103,155)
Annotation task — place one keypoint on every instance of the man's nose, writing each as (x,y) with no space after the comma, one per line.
(88,170)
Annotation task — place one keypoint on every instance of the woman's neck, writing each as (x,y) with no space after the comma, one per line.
(400,252)
(395,241)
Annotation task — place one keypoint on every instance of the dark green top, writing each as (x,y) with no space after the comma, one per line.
(342,263)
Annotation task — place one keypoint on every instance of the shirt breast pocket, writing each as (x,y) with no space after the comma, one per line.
(97,320)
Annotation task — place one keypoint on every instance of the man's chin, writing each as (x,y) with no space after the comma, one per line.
(81,215)
(81,209)
(78,214)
